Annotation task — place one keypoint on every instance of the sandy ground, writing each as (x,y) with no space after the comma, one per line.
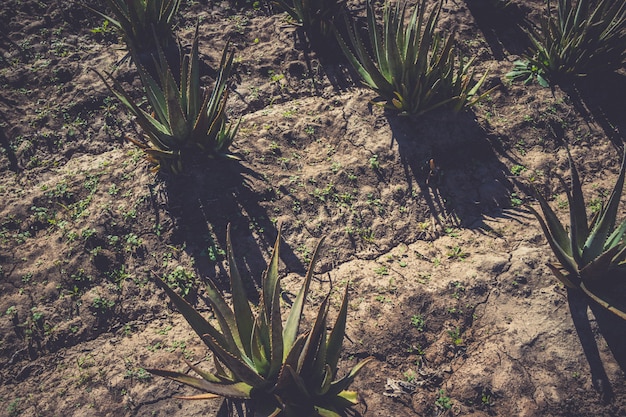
(448,285)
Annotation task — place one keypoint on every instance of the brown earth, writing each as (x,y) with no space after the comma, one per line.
(448,285)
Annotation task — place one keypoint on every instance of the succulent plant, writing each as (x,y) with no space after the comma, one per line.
(186,120)
(592,253)
(583,37)
(268,364)
(411,66)
(145,26)
(315,16)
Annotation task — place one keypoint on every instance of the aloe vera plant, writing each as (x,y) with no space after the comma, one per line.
(145,26)
(272,367)
(315,16)
(186,120)
(581,38)
(592,252)
(412,67)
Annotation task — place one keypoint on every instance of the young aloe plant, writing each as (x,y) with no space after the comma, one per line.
(413,68)
(592,252)
(187,120)
(583,37)
(273,367)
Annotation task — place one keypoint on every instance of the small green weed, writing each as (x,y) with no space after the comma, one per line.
(102,304)
(181,279)
(517,169)
(13,409)
(443,401)
(374,163)
(418,322)
(455,335)
(456,252)
(382,270)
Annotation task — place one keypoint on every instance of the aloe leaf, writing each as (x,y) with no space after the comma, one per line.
(561,277)
(561,254)
(170,10)
(219,94)
(326,380)
(606,223)
(298,382)
(227,322)
(375,76)
(150,126)
(195,319)
(201,125)
(240,369)
(392,47)
(557,231)
(217,124)
(319,368)
(603,302)
(190,82)
(311,348)
(335,339)
(338,386)
(243,314)
(237,390)
(296,350)
(350,396)
(577,209)
(271,306)
(221,371)
(377,40)
(258,354)
(154,94)
(616,237)
(579,229)
(619,257)
(292,325)
(176,118)
(595,270)
(324,412)
(113,21)
(158,133)
(208,376)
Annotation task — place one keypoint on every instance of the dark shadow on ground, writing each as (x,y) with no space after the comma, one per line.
(612,328)
(502,27)
(201,204)
(327,52)
(452,161)
(601,99)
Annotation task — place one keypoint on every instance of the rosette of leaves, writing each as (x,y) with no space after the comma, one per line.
(186,120)
(271,367)
(412,67)
(580,38)
(527,72)
(591,252)
(145,26)
(316,17)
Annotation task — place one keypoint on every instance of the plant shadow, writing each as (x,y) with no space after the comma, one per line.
(600,98)
(328,54)
(502,27)
(203,203)
(613,330)
(453,163)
